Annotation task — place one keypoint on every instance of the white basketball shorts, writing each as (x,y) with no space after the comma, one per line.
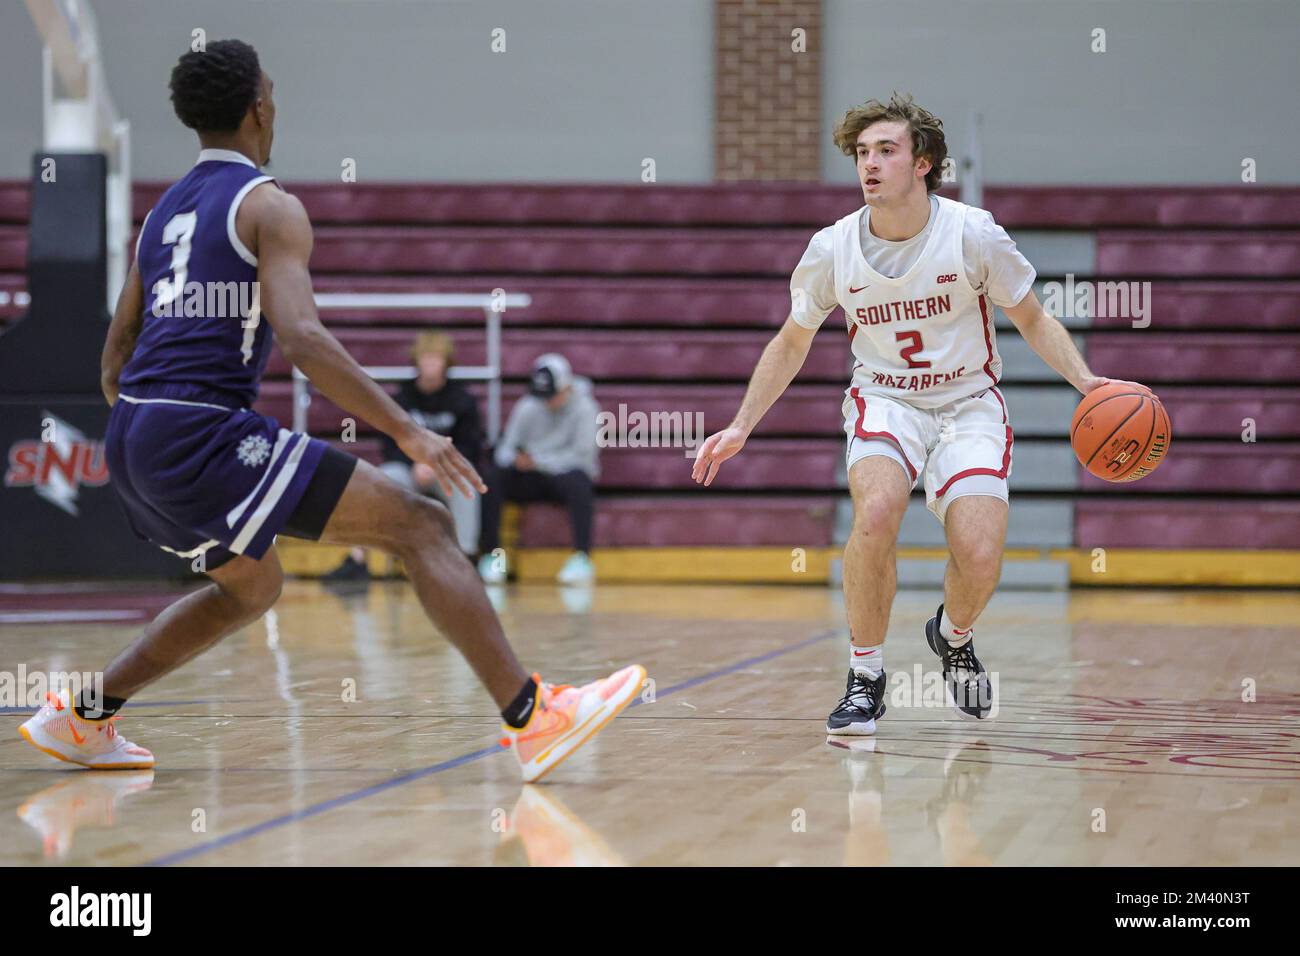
(963,448)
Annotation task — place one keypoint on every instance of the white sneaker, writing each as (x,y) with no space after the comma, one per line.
(577,570)
(492,569)
(57,730)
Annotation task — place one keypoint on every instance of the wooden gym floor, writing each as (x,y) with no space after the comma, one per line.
(1122,735)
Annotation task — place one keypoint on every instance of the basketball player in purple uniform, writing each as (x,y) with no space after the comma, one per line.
(204,477)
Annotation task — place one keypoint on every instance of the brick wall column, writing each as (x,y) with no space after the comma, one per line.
(767,92)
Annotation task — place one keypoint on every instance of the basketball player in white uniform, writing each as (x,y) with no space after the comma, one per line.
(918,277)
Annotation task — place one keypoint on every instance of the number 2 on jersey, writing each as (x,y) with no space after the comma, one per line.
(911,350)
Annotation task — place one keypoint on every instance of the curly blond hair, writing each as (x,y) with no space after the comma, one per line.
(927,131)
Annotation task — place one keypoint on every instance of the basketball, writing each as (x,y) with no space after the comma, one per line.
(1120,432)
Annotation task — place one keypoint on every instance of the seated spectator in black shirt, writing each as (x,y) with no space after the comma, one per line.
(444,406)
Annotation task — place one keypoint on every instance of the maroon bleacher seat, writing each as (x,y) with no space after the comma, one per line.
(814,409)
(1149,254)
(690,301)
(1188,523)
(1222,412)
(679,520)
(771,204)
(1147,356)
(13,249)
(557,250)
(1195,304)
(1095,207)
(1262,468)
(606,353)
(15,201)
(584,301)
(804,410)
(794,464)
(730,355)
(564,204)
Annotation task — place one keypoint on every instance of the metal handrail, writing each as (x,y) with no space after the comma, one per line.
(493,306)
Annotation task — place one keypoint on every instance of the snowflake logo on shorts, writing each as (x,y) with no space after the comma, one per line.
(253,450)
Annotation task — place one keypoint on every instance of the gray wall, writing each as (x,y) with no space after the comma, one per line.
(411,90)
(1184,92)
(588,88)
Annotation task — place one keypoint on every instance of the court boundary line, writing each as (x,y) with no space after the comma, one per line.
(229,839)
(130,705)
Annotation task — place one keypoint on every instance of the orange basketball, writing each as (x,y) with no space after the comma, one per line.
(1120,432)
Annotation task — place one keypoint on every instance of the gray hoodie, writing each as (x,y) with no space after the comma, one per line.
(557,441)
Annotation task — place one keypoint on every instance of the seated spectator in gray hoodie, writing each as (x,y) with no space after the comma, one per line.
(547,452)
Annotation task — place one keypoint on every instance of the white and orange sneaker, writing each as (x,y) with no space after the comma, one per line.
(565,717)
(57,730)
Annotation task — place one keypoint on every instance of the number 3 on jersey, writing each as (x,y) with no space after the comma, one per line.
(911,350)
(177,233)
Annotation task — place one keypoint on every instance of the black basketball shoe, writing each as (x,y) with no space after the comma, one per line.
(862,704)
(967,683)
(349,576)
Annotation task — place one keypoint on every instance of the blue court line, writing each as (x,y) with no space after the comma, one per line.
(28,711)
(182,855)
(748,662)
(217,843)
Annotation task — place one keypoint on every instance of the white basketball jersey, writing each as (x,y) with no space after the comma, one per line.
(926,337)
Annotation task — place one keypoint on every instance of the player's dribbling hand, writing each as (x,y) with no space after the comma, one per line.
(716,449)
(449,466)
(1097,381)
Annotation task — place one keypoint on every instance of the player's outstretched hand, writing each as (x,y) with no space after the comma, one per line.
(716,449)
(1097,381)
(449,466)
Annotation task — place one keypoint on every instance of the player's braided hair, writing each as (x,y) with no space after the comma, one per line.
(213,89)
(927,131)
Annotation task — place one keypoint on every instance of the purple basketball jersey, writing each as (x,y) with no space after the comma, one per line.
(201,326)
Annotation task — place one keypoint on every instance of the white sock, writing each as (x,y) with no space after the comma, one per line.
(870,660)
(951,633)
